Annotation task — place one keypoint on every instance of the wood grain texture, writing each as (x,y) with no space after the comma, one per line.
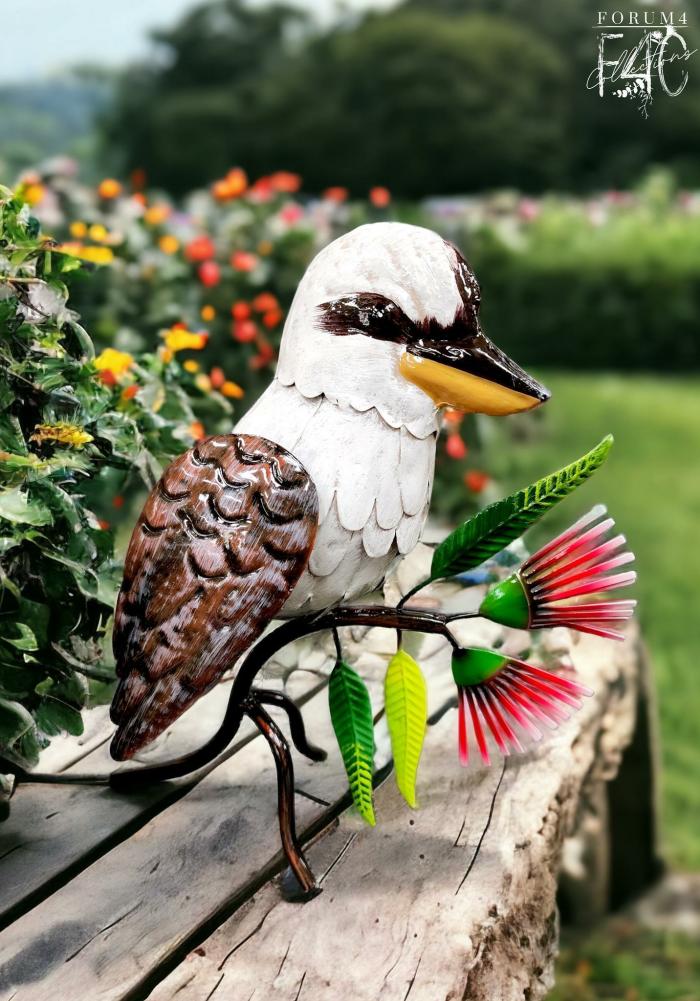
(221,542)
(456,900)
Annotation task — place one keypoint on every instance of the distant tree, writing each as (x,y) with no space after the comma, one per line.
(178,116)
(423,103)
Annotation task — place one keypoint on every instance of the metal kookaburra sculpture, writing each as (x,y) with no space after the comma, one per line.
(312,499)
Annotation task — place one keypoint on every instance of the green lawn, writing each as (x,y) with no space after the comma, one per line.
(651,484)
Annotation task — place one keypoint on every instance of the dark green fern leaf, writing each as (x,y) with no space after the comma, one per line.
(351,715)
(492,529)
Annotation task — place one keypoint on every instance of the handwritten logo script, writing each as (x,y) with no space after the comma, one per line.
(640,53)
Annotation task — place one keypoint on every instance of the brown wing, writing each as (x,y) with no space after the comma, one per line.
(220,544)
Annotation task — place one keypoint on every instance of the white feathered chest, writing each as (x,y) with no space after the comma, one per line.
(373,480)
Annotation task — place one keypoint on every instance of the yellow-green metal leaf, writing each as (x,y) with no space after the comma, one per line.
(351,715)
(406,703)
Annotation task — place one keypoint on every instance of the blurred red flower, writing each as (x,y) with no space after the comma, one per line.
(242,260)
(209,273)
(336,194)
(380,197)
(244,331)
(240,310)
(264,302)
(200,249)
(476,481)
(455,447)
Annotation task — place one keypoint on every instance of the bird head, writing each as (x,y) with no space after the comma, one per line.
(387,316)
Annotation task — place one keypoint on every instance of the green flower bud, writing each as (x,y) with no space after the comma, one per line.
(507,603)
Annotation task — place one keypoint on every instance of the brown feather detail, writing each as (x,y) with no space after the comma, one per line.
(221,542)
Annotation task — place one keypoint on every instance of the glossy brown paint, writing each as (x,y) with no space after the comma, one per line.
(220,544)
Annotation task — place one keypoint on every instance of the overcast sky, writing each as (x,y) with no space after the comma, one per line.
(41,36)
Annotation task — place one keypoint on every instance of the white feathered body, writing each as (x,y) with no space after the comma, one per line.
(373,480)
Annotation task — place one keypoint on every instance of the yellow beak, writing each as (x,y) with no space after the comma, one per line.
(471,375)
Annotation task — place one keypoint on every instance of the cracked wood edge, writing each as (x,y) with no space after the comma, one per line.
(455,900)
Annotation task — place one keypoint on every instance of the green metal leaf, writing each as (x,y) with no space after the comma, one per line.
(351,714)
(406,704)
(492,529)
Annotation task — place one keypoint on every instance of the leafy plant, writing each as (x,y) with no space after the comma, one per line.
(75,430)
(351,715)
(406,704)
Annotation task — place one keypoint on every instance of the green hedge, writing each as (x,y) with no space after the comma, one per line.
(612,283)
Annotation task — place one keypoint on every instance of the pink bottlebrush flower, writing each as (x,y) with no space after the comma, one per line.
(545,591)
(507,699)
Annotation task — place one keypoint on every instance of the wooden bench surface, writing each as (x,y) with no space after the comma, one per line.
(172,892)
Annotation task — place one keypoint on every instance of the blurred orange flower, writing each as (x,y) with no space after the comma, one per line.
(156,214)
(380,197)
(265,301)
(336,194)
(272,318)
(242,260)
(231,186)
(284,181)
(130,392)
(232,390)
(109,188)
(197,430)
(169,244)
(191,365)
(78,229)
(207,313)
(200,249)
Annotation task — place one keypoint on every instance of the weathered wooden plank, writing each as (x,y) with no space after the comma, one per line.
(456,900)
(54,831)
(188,865)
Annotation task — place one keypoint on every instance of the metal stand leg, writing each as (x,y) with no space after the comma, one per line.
(268,697)
(307,887)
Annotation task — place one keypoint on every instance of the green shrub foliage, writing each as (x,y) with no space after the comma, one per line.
(72,430)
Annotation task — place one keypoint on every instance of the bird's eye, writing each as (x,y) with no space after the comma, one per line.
(370,314)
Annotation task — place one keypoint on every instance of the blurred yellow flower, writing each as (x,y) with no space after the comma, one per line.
(179,339)
(156,214)
(33,193)
(98,255)
(78,229)
(191,365)
(117,362)
(166,355)
(62,433)
(232,389)
(203,382)
(97,232)
(207,313)
(169,244)
(264,248)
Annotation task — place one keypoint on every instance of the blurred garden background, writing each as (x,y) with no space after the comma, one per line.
(168,177)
